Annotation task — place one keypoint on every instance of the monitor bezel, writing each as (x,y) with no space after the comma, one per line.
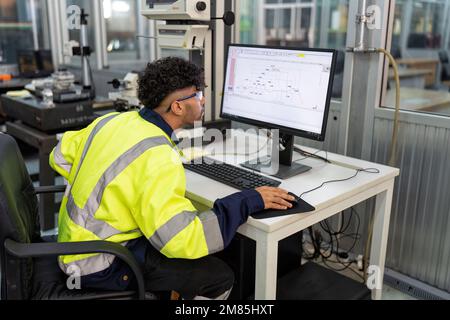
(296,132)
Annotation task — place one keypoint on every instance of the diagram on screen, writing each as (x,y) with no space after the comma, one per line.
(288,84)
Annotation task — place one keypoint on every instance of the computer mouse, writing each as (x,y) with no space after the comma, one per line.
(298,206)
(297,198)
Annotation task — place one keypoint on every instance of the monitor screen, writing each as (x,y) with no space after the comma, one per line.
(28,63)
(45,62)
(280,88)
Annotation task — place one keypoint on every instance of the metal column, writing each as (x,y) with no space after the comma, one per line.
(362,83)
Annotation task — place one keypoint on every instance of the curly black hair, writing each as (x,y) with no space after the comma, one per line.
(165,76)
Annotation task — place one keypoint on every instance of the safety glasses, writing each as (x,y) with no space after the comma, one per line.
(198,96)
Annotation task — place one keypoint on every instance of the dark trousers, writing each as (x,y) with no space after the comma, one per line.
(208,277)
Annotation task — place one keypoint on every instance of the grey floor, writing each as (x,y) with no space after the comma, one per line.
(389,293)
(393,294)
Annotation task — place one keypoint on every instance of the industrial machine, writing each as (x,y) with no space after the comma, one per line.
(33,112)
(62,81)
(63,87)
(126,96)
(58,102)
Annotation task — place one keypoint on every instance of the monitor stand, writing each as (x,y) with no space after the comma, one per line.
(280,164)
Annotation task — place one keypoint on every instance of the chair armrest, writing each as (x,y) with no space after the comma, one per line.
(50,189)
(35,250)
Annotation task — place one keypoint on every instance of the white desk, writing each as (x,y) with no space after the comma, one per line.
(330,200)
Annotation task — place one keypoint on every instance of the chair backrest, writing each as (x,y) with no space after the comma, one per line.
(18,219)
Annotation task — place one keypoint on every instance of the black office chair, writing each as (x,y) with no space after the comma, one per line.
(29,268)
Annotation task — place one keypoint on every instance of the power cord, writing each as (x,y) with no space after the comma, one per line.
(355,237)
(333,246)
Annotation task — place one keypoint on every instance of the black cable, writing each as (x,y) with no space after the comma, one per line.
(358,171)
(355,237)
(334,239)
(305,157)
(307,154)
(315,155)
(331,233)
(343,230)
(358,236)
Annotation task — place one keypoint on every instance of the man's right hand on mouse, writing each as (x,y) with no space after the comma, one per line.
(275,198)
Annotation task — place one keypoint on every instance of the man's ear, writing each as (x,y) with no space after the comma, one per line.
(177,108)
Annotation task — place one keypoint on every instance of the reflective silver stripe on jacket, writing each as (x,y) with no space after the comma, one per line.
(212,231)
(171,228)
(84,217)
(60,161)
(93,133)
(87,266)
(178,223)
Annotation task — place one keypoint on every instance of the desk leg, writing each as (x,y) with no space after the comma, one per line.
(379,240)
(266,268)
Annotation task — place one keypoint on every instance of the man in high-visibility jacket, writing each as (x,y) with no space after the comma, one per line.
(126,184)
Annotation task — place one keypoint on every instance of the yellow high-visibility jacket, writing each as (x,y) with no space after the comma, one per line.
(126,180)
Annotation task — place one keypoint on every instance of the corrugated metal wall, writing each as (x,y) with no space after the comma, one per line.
(419,237)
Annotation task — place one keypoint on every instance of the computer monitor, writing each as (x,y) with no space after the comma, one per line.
(45,62)
(280,88)
(28,63)
(35,64)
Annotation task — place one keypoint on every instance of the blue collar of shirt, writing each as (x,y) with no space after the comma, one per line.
(156,119)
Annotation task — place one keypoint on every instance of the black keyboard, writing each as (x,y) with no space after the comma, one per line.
(231,175)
